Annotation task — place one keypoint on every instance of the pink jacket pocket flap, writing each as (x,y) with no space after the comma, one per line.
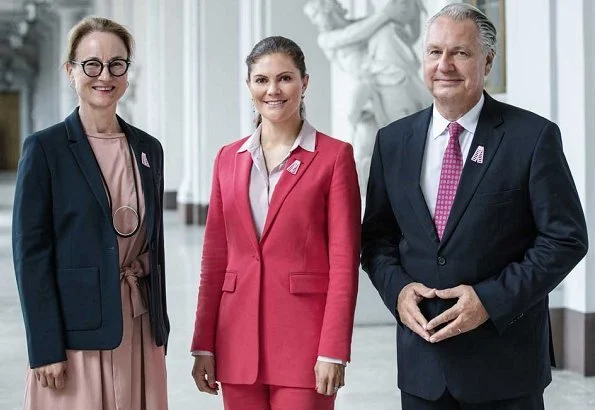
(304,282)
(229,284)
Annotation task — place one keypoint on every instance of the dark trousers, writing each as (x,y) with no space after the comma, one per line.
(447,402)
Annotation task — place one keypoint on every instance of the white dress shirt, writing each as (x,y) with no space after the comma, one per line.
(436,143)
(263,183)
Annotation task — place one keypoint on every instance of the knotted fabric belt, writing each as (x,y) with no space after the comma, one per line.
(130,275)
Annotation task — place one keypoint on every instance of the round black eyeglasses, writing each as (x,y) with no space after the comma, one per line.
(93,67)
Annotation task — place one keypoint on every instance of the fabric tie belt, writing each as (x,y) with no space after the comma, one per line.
(130,275)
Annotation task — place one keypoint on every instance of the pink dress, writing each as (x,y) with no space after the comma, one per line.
(132,376)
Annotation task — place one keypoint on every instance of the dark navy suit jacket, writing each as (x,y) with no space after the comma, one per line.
(65,249)
(515,230)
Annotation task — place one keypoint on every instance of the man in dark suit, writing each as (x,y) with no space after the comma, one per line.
(472,218)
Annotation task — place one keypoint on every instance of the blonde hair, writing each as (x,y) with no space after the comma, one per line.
(93,24)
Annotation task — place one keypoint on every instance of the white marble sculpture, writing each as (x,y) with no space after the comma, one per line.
(377,53)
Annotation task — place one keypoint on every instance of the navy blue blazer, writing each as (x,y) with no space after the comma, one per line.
(65,249)
(515,230)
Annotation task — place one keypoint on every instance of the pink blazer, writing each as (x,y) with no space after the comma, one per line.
(268,308)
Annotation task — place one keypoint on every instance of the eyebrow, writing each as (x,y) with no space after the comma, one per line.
(99,59)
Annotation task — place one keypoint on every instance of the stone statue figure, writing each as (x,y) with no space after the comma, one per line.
(377,53)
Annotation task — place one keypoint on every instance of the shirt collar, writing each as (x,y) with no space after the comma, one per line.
(468,121)
(306,139)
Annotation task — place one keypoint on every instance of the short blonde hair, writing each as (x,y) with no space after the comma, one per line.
(93,24)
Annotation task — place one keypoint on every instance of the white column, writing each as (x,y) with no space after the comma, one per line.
(153,69)
(193,67)
(173,81)
(589,151)
(68,17)
(251,30)
(572,118)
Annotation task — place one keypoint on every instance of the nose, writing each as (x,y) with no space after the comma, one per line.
(445,63)
(105,74)
(273,88)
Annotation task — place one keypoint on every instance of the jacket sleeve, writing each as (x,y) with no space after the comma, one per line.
(344,215)
(561,240)
(33,254)
(164,321)
(214,262)
(380,238)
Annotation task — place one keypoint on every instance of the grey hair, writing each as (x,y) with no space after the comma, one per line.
(463,11)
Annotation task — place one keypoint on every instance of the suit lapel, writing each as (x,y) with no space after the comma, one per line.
(413,160)
(241,177)
(489,137)
(142,150)
(83,154)
(286,183)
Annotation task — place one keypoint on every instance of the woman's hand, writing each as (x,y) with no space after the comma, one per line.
(203,373)
(51,375)
(330,377)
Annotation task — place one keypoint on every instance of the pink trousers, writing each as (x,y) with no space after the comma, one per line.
(267,397)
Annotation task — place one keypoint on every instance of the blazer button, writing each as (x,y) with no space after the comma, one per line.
(441,260)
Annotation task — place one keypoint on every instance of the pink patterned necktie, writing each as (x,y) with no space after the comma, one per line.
(452,167)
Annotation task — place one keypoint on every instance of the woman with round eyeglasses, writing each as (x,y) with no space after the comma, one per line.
(88,243)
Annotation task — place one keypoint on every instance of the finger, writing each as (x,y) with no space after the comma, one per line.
(205,384)
(37,376)
(43,380)
(451,330)
(450,293)
(447,316)
(419,323)
(51,381)
(211,378)
(321,386)
(426,292)
(60,381)
(199,379)
(330,387)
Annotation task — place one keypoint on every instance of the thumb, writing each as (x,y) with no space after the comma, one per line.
(211,378)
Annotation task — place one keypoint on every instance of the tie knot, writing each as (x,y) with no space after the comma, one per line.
(455,129)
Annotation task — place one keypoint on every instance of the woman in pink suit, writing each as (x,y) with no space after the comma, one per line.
(281,252)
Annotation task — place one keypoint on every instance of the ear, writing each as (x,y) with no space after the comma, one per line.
(489,62)
(305,80)
(68,69)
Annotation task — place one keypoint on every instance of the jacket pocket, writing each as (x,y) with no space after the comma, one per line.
(308,282)
(497,198)
(80,297)
(229,284)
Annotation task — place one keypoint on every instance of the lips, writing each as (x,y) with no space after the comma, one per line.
(275,103)
(104,88)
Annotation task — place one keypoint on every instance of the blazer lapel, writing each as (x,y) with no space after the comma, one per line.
(142,150)
(83,154)
(286,183)
(241,177)
(413,160)
(489,137)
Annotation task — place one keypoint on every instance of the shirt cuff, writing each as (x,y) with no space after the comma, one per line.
(331,360)
(202,353)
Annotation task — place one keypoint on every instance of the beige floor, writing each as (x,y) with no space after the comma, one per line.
(371,377)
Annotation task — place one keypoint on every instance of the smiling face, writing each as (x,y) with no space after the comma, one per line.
(277,87)
(455,65)
(105,91)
